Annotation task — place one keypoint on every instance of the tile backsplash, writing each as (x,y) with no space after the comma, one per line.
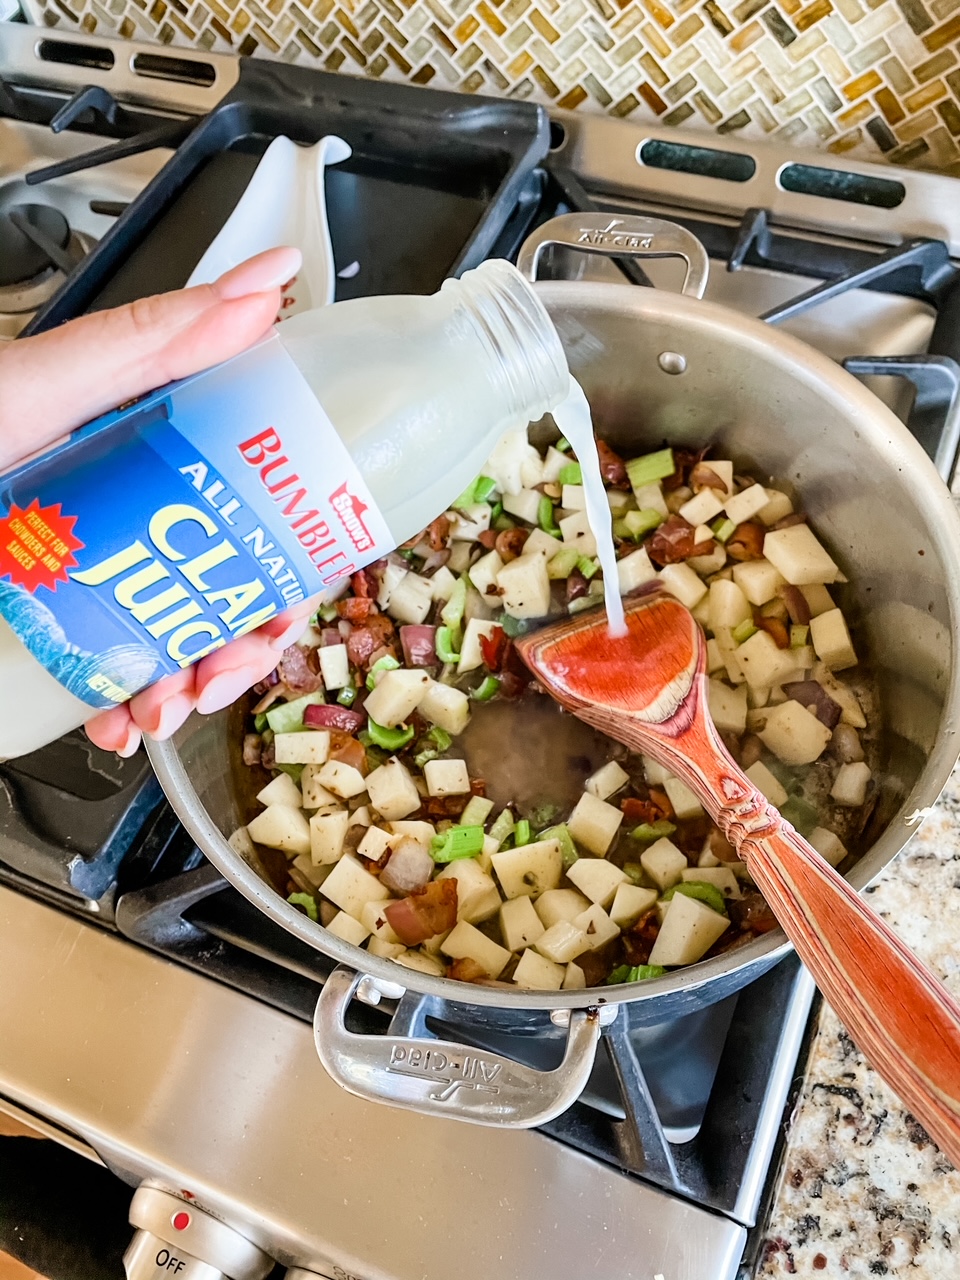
(878,79)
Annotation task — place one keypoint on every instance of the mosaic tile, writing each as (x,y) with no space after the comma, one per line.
(877,79)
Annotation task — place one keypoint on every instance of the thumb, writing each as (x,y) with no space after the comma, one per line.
(56,381)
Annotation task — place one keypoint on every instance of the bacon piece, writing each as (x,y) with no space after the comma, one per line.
(296,672)
(577,586)
(638,941)
(509,543)
(428,911)
(612,467)
(636,810)
(438,531)
(494,649)
(251,748)
(467,970)
(773,627)
(419,645)
(331,716)
(815,698)
(348,750)
(363,585)
(746,541)
(673,542)
(365,640)
(752,912)
(437,807)
(684,461)
(355,609)
(796,602)
(704,477)
(488,539)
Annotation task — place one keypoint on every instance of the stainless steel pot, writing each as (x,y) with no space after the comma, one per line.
(655,366)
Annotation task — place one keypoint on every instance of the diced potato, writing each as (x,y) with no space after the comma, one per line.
(541,543)
(851,711)
(562,942)
(574,978)
(316,875)
(422,832)
(702,507)
(553,463)
(386,950)
(310,747)
(597,878)
(525,505)
(728,606)
(793,734)
(664,863)
(577,533)
(375,843)
(477,896)
(594,823)
(707,857)
(768,786)
(397,696)
(538,973)
(327,834)
(682,583)
(650,498)
(607,780)
(764,664)
(240,842)
(281,827)
(465,942)
(393,574)
(529,870)
(828,845)
(392,791)
(572,498)
(281,790)
(630,902)
(467,523)
(447,777)
(558,904)
(421,963)
(484,572)
(446,707)
(374,919)
(334,666)
(721,877)
(655,773)
(744,506)
(758,580)
(526,587)
(350,930)
(689,929)
(778,508)
(520,926)
(350,886)
(850,784)
(410,601)
(685,803)
(831,640)
(342,779)
(798,555)
(728,707)
(315,794)
(706,566)
(477,812)
(714,657)
(818,598)
(442,584)
(471,655)
(634,570)
(759,696)
(596,926)
(730,651)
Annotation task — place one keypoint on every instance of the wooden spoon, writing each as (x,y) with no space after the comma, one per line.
(647,689)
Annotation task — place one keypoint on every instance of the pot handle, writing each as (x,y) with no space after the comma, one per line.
(627,237)
(439,1078)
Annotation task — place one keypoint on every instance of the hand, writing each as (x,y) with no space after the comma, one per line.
(59,380)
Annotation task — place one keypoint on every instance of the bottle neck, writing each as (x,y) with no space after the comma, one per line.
(526,356)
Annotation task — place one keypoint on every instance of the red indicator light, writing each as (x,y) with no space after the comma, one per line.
(181,1221)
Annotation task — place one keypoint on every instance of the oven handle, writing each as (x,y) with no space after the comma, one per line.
(441,1078)
(626,237)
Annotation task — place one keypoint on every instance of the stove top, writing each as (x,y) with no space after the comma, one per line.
(183,1012)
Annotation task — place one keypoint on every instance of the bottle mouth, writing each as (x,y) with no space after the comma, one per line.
(519,329)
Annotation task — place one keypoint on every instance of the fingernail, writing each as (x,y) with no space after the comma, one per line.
(290,636)
(172,715)
(222,689)
(132,744)
(267,270)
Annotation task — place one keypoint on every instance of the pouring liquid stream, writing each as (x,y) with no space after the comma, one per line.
(576,424)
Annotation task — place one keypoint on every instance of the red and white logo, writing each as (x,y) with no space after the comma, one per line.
(350,512)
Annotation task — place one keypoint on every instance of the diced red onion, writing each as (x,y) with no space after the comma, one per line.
(330,636)
(436,560)
(251,748)
(815,698)
(331,716)
(846,744)
(419,645)
(408,868)
(796,603)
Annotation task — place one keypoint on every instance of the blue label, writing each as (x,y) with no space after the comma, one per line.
(164,530)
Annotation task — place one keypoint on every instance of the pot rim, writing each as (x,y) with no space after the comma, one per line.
(881,431)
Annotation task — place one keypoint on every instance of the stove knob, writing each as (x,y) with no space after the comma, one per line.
(333,1273)
(179,1239)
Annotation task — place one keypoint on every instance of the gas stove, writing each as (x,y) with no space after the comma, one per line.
(158,1023)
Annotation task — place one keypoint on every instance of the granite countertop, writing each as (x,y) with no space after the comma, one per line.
(864,1191)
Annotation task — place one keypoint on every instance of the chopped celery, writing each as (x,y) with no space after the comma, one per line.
(743,631)
(800,814)
(546,519)
(467,498)
(483,488)
(514,627)
(502,522)
(260,721)
(347,695)
(304,900)
(327,612)
(389,739)
(452,611)
(723,529)
(440,738)
(477,811)
(496,511)
(489,689)
(640,523)
(563,563)
(568,849)
(407,553)
(563,445)
(588,567)
(294,770)
(447,644)
(634,872)
(650,467)
(621,529)
(708,894)
(386,663)
(543,815)
(521,833)
(650,831)
(456,842)
(636,973)
(798,637)
(287,717)
(503,827)
(571,474)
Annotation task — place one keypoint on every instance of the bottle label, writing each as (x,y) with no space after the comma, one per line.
(168,528)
